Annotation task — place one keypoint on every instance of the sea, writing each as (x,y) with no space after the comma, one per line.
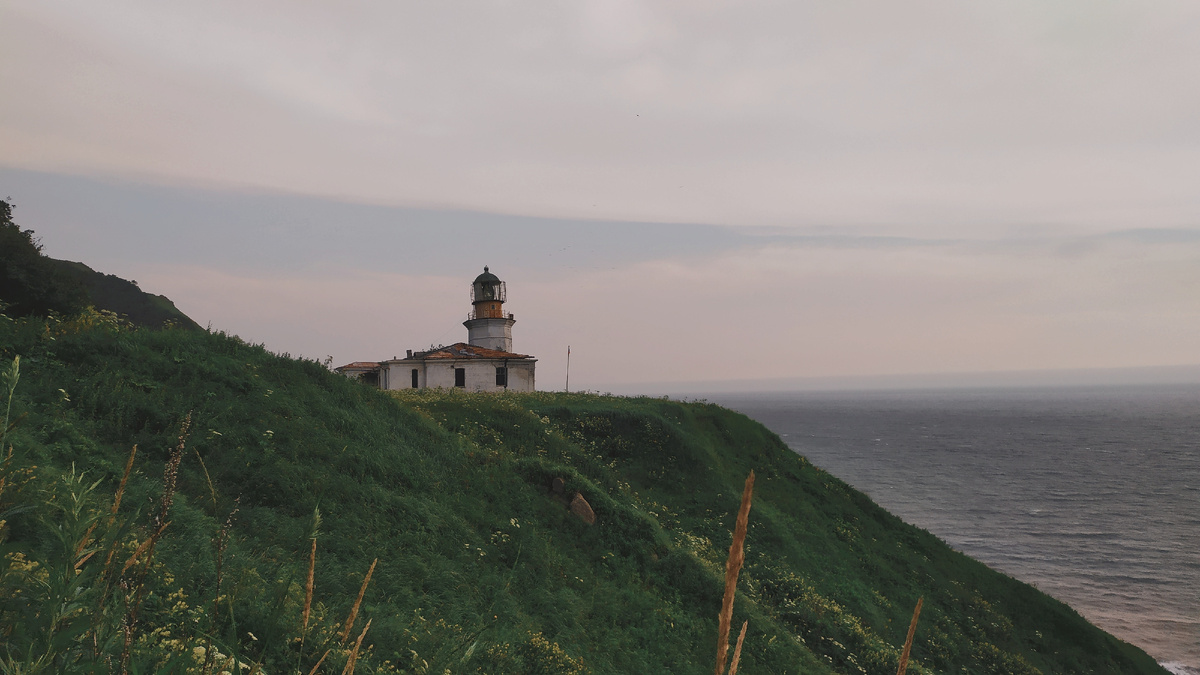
(1090,494)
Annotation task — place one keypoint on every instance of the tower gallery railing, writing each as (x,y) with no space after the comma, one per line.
(488,314)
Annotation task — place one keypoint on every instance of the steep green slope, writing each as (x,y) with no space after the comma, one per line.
(33,284)
(482,568)
(124,297)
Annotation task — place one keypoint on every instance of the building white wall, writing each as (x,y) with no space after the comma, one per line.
(480,374)
(520,376)
(399,375)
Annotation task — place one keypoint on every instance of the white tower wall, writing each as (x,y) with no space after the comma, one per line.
(491,333)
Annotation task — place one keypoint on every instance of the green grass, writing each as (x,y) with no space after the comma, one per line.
(481,568)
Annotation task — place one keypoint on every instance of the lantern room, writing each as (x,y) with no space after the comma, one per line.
(488,325)
(487,296)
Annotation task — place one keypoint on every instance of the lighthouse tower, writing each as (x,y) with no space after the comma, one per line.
(487,325)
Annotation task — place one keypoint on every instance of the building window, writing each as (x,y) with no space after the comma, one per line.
(502,376)
(414,378)
(460,377)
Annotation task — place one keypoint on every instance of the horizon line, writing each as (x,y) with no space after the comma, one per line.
(1025,378)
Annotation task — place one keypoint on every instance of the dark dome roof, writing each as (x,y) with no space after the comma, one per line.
(487,277)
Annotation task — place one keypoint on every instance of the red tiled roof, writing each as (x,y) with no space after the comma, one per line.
(462,350)
(359,365)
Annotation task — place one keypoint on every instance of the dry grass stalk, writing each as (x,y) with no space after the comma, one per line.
(117,504)
(158,523)
(358,601)
(146,545)
(87,537)
(107,573)
(171,473)
(11,376)
(737,649)
(912,630)
(124,479)
(319,662)
(211,490)
(308,586)
(733,566)
(220,543)
(84,559)
(4,470)
(127,644)
(353,660)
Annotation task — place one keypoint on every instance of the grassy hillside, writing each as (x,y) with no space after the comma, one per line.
(481,566)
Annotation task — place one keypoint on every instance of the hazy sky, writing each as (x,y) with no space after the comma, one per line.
(680,191)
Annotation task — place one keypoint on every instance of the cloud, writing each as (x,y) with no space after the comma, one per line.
(933,115)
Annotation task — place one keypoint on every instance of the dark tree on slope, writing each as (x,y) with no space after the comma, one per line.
(30,283)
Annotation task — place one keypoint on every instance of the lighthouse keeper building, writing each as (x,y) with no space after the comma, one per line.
(485,362)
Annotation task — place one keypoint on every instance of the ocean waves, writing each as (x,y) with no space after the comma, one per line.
(1088,494)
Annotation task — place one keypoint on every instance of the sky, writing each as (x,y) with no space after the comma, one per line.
(694,194)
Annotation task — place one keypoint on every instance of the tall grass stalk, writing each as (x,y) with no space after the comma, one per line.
(113,512)
(353,660)
(143,548)
(220,543)
(319,662)
(737,649)
(312,565)
(124,480)
(115,536)
(135,586)
(112,517)
(306,613)
(212,492)
(11,375)
(308,588)
(733,566)
(912,630)
(358,602)
(4,470)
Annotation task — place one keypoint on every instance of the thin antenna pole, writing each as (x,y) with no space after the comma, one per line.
(568,387)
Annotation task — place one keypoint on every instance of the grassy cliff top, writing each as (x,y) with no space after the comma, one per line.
(32,284)
(481,566)
(125,298)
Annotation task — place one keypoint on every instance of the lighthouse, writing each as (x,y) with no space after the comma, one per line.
(485,362)
(488,326)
